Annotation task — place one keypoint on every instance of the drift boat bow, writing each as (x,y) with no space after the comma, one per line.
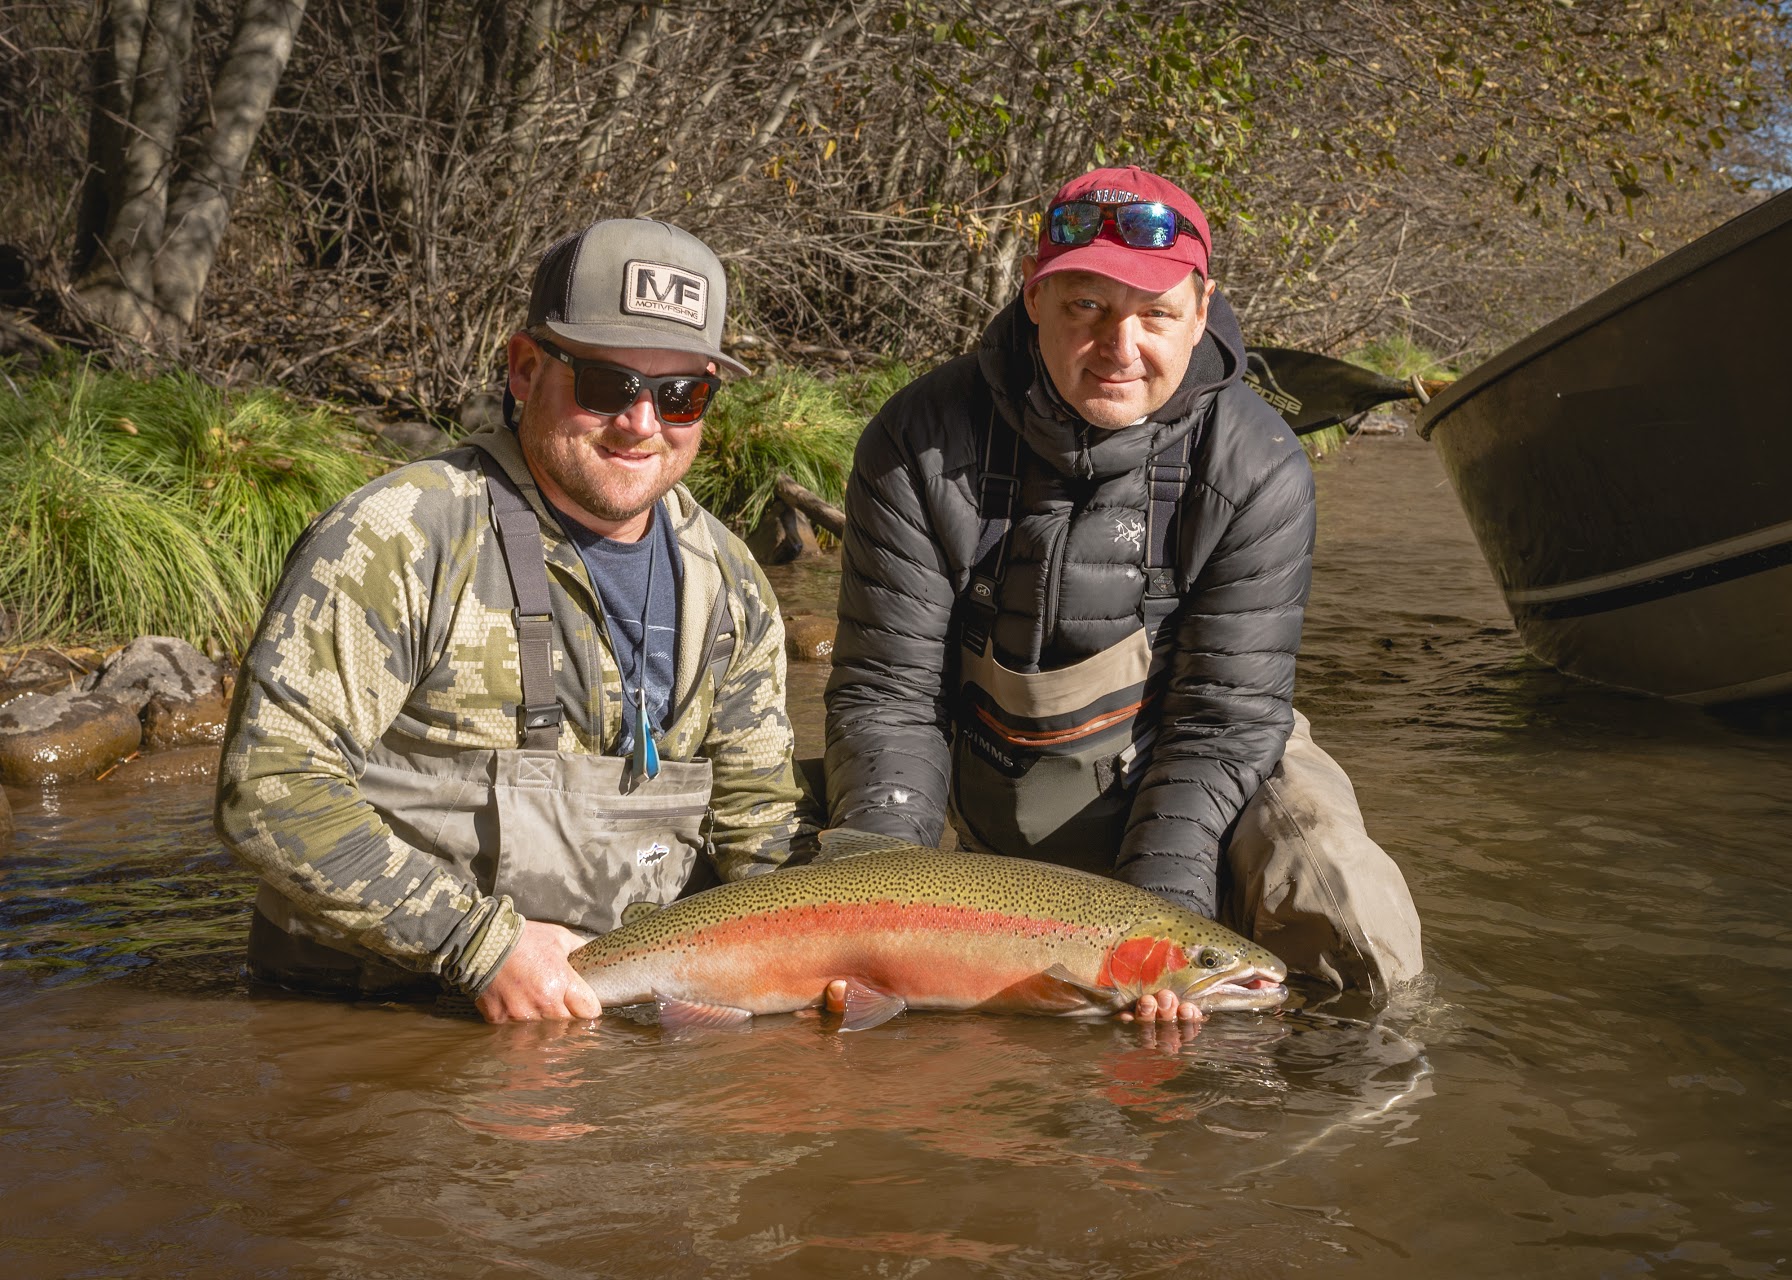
(1627,471)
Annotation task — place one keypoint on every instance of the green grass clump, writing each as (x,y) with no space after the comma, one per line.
(156,506)
(784,420)
(864,392)
(1326,440)
(1398,356)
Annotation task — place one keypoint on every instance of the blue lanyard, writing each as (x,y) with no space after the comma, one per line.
(647,754)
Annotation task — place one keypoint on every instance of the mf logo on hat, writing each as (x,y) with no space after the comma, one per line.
(656,289)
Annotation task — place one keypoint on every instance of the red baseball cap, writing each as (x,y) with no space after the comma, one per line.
(1153,270)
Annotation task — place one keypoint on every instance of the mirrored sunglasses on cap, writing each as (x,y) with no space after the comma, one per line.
(600,387)
(1141,224)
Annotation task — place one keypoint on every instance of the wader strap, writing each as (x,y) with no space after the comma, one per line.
(1163,515)
(996,492)
(721,651)
(519,534)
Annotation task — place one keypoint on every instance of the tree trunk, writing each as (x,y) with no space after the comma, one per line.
(119,285)
(215,157)
(529,83)
(155,230)
(644,30)
(401,97)
(115,59)
(773,120)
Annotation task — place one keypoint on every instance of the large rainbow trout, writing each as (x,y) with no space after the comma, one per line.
(915,928)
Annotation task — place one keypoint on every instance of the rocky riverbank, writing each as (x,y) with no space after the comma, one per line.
(150,711)
(154,710)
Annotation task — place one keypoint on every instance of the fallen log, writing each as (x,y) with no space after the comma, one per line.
(818,509)
(19,334)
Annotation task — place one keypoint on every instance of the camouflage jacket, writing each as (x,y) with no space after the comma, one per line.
(393,623)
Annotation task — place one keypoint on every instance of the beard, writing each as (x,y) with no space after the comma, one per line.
(599,485)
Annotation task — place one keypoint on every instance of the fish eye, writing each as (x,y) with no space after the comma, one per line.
(1210,958)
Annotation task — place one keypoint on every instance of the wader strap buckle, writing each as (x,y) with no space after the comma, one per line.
(540,720)
(999,489)
(996,492)
(979,616)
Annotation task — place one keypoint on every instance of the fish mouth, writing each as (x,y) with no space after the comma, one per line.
(1250,988)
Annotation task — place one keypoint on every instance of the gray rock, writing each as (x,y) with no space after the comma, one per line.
(156,666)
(480,410)
(172,722)
(53,737)
(414,439)
(46,670)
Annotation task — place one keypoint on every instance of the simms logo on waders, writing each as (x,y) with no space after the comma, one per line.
(655,289)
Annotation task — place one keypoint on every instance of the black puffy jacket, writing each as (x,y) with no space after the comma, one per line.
(1072,587)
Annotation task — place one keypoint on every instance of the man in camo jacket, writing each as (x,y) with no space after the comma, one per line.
(505,694)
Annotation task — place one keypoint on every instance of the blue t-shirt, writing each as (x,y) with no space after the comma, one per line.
(634,605)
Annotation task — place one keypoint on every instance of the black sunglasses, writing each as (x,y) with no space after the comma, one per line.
(1141,224)
(599,387)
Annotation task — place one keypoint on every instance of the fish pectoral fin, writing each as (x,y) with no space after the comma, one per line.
(681,1015)
(843,842)
(866,1008)
(1057,990)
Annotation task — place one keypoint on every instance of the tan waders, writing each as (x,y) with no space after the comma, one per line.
(1301,876)
(1044,765)
(570,838)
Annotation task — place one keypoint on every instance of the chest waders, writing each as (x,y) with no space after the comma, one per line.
(1043,762)
(570,838)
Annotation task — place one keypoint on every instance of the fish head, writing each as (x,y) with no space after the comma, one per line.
(1241,976)
(1202,962)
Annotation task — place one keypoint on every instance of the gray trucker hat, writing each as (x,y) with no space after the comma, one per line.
(633,282)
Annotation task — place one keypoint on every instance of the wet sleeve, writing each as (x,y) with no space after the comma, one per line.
(758,810)
(1228,708)
(887,717)
(339,648)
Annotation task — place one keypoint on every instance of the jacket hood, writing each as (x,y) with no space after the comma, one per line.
(1014,369)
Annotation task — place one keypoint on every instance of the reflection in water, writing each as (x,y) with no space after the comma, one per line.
(1589,1083)
(788,1126)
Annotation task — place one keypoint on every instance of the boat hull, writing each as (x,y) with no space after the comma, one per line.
(1627,472)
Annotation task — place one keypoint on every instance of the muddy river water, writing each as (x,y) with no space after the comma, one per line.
(1592,1083)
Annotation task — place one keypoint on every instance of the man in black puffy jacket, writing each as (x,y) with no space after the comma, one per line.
(1075,569)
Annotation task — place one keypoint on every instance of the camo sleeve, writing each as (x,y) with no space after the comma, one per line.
(366,599)
(759,808)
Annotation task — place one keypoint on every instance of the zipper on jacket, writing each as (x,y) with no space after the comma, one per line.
(1054,577)
(716,613)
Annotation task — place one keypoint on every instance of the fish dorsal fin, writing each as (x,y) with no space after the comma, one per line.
(844,842)
(638,911)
